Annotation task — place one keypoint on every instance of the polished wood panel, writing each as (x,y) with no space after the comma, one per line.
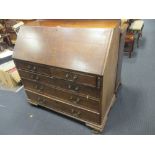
(64,84)
(63,107)
(67,96)
(78,23)
(110,73)
(77,49)
(53,72)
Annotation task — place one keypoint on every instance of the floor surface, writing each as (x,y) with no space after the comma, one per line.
(133,112)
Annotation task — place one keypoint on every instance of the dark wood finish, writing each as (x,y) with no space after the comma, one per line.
(91,23)
(62,84)
(53,72)
(63,107)
(81,50)
(65,95)
(70,70)
(78,23)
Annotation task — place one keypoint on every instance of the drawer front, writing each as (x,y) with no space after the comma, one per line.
(31,67)
(79,78)
(59,106)
(75,88)
(66,96)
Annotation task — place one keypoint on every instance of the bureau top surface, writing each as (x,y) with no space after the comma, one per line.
(79,49)
(78,23)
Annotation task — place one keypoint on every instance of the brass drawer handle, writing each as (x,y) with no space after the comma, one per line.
(78,113)
(34,68)
(77,100)
(39,88)
(67,76)
(75,113)
(29,66)
(40,100)
(37,77)
(75,77)
(76,88)
(52,77)
(72,111)
(69,86)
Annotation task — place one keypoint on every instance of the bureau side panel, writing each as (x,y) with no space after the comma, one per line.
(110,72)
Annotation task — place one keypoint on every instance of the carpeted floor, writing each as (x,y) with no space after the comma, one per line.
(133,112)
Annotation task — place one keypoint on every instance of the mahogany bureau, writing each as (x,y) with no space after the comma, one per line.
(69,70)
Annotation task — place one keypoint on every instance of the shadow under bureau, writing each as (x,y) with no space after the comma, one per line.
(69,70)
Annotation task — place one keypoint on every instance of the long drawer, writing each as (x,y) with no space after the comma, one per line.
(77,77)
(86,90)
(63,107)
(61,94)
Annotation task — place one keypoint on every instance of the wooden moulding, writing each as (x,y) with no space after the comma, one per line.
(99,128)
(96,128)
